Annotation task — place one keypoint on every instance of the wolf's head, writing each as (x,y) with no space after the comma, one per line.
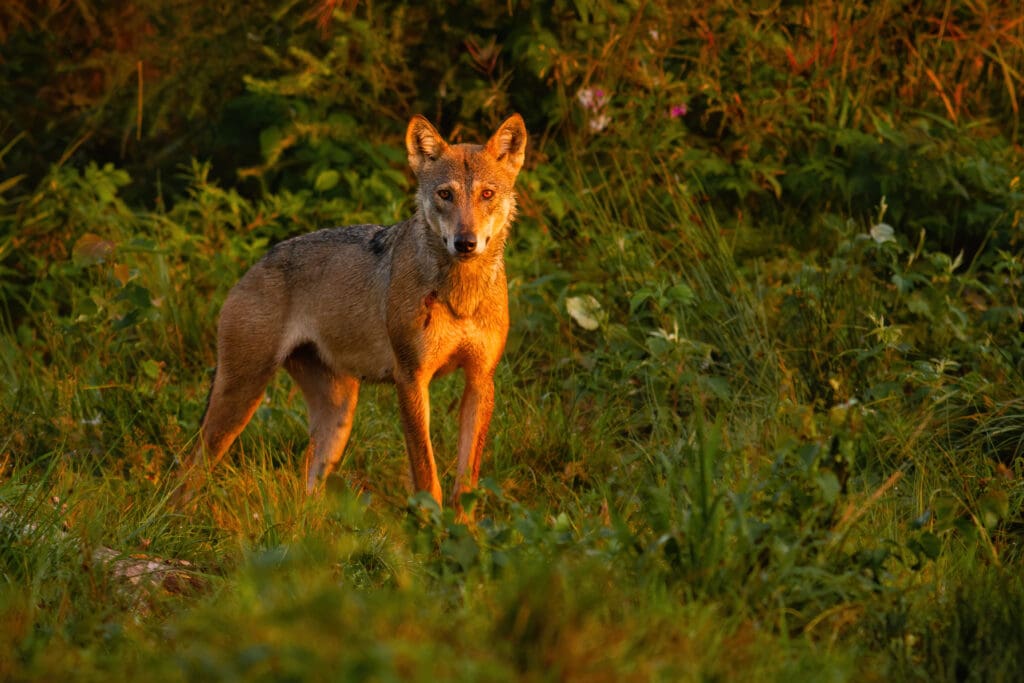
(466,192)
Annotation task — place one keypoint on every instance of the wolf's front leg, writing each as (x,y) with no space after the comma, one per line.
(414,402)
(474,419)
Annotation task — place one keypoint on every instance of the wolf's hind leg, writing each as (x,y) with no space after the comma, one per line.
(331,402)
(236,393)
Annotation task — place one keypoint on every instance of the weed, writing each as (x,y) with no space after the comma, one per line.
(759,417)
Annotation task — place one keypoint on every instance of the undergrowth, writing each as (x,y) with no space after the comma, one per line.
(759,417)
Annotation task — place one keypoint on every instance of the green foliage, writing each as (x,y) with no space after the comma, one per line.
(759,417)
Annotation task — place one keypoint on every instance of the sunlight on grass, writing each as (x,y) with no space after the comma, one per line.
(759,417)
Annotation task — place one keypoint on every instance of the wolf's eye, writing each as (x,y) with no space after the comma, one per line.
(487,194)
(445,195)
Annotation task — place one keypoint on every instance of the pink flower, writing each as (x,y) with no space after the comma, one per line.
(677,110)
(591,98)
(594,100)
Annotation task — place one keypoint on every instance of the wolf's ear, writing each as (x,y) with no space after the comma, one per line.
(508,144)
(423,143)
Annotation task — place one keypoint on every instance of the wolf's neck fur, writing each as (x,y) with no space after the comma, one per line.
(464,284)
(461,285)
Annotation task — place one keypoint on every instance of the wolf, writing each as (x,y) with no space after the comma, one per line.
(368,303)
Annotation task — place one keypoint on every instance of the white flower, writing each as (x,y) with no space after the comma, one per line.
(600,122)
(883,232)
(586,98)
(585,310)
(591,98)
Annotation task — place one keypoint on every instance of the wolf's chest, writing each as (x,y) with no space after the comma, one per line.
(447,341)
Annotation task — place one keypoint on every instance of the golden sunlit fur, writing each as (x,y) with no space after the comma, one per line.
(368,303)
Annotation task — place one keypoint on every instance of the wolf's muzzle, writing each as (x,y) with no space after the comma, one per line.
(465,243)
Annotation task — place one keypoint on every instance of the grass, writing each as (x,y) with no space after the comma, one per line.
(334,589)
(664,499)
(786,445)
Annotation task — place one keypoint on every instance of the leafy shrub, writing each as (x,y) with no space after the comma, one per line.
(761,410)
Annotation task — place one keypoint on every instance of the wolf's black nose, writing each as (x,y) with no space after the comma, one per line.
(465,244)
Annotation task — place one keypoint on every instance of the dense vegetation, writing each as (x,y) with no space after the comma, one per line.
(761,416)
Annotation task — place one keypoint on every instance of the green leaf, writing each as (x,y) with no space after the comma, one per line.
(137,295)
(129,320)
(929,545)
(461,547)
(326,180)
(150,368)
(270,138)
(682,293)
(919,305)
(717,385)
(829,485)
(642,296)
(87,308)
(994,506)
